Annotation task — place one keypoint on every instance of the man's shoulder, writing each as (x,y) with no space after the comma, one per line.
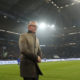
(37,39)
(24,34)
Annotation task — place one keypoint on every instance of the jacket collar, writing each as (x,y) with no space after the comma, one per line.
(30,32)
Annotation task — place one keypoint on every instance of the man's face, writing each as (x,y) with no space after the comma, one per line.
(32,28)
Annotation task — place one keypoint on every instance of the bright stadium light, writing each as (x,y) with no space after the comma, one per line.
(42,26)
(53,26)
(77,1)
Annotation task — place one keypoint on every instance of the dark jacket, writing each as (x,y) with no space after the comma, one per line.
(30,50)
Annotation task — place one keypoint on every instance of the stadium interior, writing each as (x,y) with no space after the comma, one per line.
(60,21)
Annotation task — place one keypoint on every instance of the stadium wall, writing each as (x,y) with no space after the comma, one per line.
(2,62)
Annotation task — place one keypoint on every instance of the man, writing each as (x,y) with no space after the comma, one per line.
(30,53)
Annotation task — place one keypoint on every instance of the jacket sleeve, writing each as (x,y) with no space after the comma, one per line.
(39,51)
(25,50)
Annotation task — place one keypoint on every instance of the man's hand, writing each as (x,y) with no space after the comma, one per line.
(39,59)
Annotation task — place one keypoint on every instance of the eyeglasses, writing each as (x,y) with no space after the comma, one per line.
(33,25)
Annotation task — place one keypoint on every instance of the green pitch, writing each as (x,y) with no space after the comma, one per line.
(65,70)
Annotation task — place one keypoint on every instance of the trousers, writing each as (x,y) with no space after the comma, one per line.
(25,78)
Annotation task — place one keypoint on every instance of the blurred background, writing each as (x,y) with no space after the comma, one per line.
(58,27)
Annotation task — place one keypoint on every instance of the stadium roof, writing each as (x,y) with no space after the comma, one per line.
(15,13)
